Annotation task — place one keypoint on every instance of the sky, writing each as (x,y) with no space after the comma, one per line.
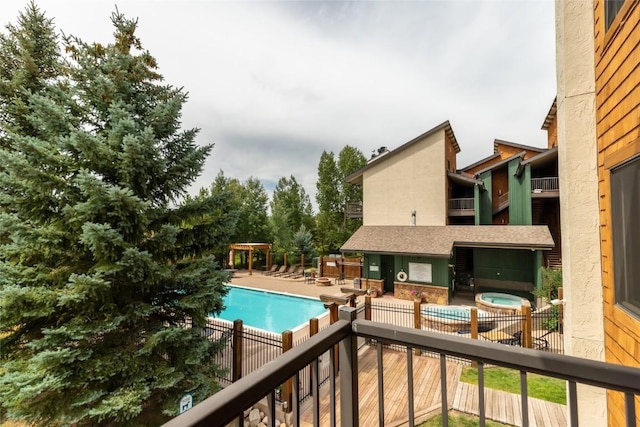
(274,84)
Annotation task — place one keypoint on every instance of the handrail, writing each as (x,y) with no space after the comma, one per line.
(585,371)
(229,403)
(224,406)
(465,203)
(545,184)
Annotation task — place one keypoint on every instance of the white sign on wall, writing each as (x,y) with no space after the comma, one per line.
(373,268)
(419,272)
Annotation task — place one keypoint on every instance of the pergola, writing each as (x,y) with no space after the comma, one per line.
(249,247)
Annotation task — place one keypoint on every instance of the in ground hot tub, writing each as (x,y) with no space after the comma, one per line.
(497,302)
(454,318)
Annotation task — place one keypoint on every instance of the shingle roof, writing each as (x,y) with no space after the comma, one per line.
(438,241)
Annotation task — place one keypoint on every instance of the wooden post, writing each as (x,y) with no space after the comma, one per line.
(526,327)
(285,259)
(333,318)
(233,259)
(416,321)
(302,261)
(474,330)
(320,265)
(560,310)
(367,307)
(287,387)
(236,373)
(250,262)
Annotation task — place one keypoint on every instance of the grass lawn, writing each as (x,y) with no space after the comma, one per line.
(539,386)
(459,420)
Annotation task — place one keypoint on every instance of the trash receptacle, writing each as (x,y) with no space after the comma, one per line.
(356,283)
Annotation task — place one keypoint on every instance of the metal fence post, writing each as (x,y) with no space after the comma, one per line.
(349,415)
(237,350)
(474,331)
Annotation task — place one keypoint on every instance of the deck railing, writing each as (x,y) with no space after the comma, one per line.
(544,184)
(229,404)
(462,206)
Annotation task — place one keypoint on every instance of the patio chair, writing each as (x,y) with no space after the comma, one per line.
(280,270)
(309,278)
(291,275)
(273,269)
(286,271)
(340,279)
(298,274)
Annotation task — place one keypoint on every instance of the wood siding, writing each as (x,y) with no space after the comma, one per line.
(618,131)
(519,194)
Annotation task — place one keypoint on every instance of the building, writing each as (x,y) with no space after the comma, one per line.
(598,103)
(430,227)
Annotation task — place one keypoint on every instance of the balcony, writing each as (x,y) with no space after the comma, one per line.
(545,187)
(354,210)
(340,401)
(462,207)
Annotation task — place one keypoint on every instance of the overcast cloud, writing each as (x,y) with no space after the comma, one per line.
(273,84)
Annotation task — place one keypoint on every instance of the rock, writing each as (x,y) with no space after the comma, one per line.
(265,420)
(254,418)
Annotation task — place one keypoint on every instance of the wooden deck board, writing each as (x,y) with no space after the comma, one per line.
(500,406)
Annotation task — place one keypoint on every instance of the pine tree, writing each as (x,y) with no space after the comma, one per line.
(101,266)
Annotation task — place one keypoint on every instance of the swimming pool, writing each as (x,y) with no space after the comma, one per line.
(270,311)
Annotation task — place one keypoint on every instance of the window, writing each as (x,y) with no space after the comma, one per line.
(625,227)
(611,9)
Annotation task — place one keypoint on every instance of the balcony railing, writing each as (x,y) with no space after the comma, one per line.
(354,210)
(541,185)
(229,404)
(462,207)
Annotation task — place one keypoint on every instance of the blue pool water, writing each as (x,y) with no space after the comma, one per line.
(268,310)
(452,312)
(502,299)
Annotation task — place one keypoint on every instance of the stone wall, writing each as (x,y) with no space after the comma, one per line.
(432,294)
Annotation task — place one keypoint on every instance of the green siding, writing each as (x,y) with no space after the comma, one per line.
(504,264)
(537,269)
(440,270)
(519,194)
(483,202)
(372,260)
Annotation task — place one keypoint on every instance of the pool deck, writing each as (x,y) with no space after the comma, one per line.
(299,287)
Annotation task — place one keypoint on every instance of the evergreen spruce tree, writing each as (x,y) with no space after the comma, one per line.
(101,266)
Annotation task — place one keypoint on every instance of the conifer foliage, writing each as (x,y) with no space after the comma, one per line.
(100,263)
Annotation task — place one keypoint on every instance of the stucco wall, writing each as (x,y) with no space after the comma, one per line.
(577,167)
(411,180)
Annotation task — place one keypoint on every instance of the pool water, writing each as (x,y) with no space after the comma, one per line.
(269,310)
(451,312)
(515,302)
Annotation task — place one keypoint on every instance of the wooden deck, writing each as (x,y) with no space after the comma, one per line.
(505,407)
(500,406)
(426,374)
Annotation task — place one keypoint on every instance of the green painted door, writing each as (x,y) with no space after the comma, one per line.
(388,273)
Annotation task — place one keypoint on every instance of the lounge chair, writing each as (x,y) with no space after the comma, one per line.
(291,269)
(273,269)
(280,270)
(296,274)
